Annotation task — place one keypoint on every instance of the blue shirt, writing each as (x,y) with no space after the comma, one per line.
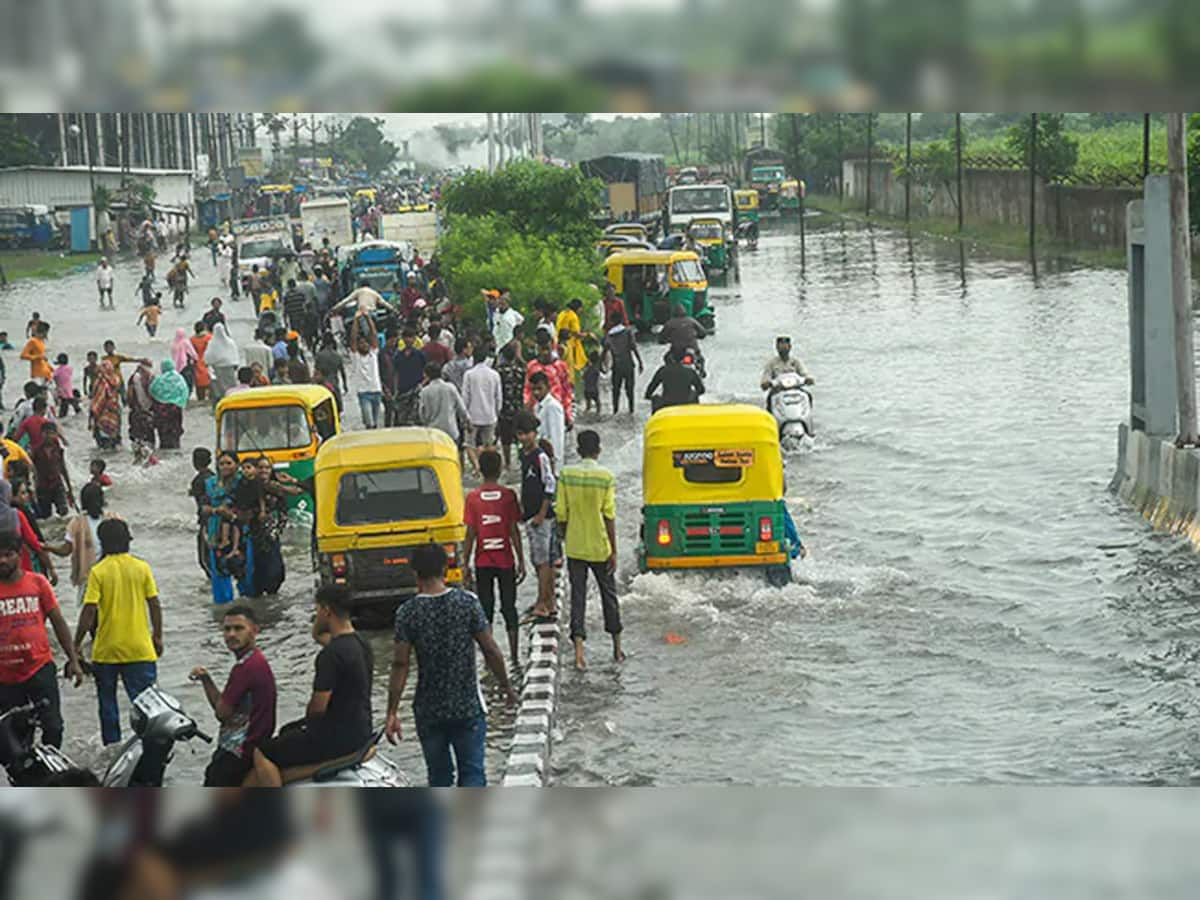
(442,632)
(279,351)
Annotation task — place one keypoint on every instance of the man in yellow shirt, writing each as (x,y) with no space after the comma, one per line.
(587,510)
(121,608)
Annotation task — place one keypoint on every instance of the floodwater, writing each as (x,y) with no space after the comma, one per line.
(976,606)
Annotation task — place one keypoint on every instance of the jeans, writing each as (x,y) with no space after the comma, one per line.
(404,820)
(369,402)
(465,736)
(577,573)
(135,676)
(41,685)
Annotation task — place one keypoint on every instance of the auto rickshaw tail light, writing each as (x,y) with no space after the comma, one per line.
(451,554)
(766,530)
(338,563)
(664,532)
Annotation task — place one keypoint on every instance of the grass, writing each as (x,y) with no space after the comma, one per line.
(23,264)
(1006,241)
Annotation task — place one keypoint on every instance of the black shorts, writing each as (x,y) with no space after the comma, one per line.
(505,432)
(300,745)
(228,770)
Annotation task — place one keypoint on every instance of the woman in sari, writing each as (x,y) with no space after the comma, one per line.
(106,408)
(141,406)
(572,352)
(184,356)
(200,374)
(169,393)
(218,507)
(267,533)
(222,357)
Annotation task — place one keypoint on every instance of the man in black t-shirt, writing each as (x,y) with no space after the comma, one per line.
(338,721)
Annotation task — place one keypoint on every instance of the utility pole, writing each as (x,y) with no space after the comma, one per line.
(841,165)
(491,142)
(62,139)
(870,149)
(500,134)
(1181,278)
(762,128)
(100,140)
(1145,144)
(907,164)
(1033,143)
(958,155)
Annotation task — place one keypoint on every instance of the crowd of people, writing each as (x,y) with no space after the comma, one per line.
(490,385)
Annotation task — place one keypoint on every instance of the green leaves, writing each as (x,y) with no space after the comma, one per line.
(533,198)
(486,252)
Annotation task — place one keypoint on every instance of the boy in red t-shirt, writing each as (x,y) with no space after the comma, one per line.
(493,517)
(27,669)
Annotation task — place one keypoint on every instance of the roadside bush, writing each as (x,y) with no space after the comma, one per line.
(485,252)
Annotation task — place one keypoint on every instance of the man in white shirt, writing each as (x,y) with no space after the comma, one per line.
(364,368)
(440,404)
(552,418)
(506,322)
(104,282)
(482,396)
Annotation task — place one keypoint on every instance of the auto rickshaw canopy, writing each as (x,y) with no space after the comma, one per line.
(384,449)
(730,450)
(682,276)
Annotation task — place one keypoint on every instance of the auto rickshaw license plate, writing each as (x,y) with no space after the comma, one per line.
(766,547)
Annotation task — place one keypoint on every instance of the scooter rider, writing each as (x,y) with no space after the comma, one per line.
(680,384)
(783,362)
(682,332)
(246,708)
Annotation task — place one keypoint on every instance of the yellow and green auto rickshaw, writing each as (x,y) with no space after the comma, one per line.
(380,494)
(635,230)
(709,236)
(791,192)
(712,489)
(287,424)
(652,282)
(746,206)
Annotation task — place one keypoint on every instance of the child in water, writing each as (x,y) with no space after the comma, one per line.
(96,470)
(591,383)
(150,315)
(64,386)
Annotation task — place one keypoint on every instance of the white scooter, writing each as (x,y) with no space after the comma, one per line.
(159,722)
(790,402)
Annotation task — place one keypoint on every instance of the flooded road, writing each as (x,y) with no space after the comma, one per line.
(976,606)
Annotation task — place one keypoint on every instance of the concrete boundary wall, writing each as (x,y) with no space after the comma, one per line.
(1160,481)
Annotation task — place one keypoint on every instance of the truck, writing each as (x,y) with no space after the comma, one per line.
(326,217)
(417,225)
(260,239)
(763,170)
(635,186)
(699,201)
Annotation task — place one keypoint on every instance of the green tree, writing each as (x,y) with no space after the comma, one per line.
(16,148)
(1057,151)
(362,144)
(533,198)
(480,252)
